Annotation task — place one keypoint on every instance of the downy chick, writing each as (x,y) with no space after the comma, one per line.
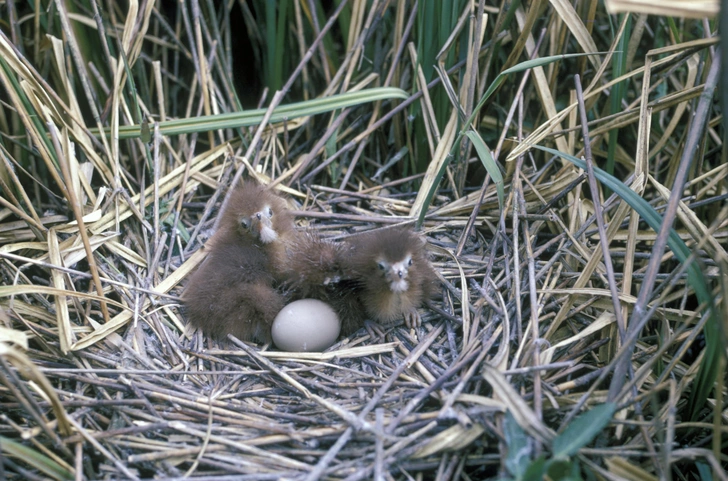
(232,291)
(317,269)
(393,273)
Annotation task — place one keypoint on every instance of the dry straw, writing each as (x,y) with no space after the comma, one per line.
(111,179)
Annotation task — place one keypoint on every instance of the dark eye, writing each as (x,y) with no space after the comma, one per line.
(270,212)
(409,262)
(381,265)
(245,223)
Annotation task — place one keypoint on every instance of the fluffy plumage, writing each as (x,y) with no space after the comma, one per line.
(232,292)
(393,274)
(317,268)
(255,214)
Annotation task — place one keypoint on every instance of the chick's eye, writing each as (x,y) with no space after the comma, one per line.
(409,262)
(381,265)
(270,212)
(245,223)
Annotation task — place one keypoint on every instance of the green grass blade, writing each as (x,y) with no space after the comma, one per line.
(582,430)
(563,470)
(270,41)
(706,474)
(28,107)
(253,117)
(426,49)
(619,66)
(536,470)
(39,461)
(280,39)
(131,86)
(488,162)
(528,64)
(519,448)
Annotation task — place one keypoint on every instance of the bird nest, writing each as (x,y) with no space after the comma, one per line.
(143,395)
(512,367)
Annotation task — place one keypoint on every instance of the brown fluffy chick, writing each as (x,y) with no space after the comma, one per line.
(256,215)
(393,273)
(317,269)
(232,291)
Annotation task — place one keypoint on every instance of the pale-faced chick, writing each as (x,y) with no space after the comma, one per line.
(393,273)
(232,292)
(255,214)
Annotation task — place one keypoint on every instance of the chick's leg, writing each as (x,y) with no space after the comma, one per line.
(266,300)
(412,318)
(258,305)
(375,330)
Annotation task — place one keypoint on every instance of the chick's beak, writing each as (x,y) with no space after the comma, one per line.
(397,276)
(264,227)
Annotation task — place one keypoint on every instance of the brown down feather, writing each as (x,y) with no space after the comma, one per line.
(393,273)
(232,291)
(317,269)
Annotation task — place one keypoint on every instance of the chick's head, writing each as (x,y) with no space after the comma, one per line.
(391,257)
(256,213)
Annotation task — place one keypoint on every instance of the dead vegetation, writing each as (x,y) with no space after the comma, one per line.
(99,377)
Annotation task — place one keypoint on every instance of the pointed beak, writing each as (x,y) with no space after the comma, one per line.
(264,227)
(262,220)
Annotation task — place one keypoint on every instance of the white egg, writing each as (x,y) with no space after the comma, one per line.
(305,325)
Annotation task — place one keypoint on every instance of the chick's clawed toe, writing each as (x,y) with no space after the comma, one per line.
(412,318)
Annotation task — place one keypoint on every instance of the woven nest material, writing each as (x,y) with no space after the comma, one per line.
(153,396)
(143,395)
(512,370)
